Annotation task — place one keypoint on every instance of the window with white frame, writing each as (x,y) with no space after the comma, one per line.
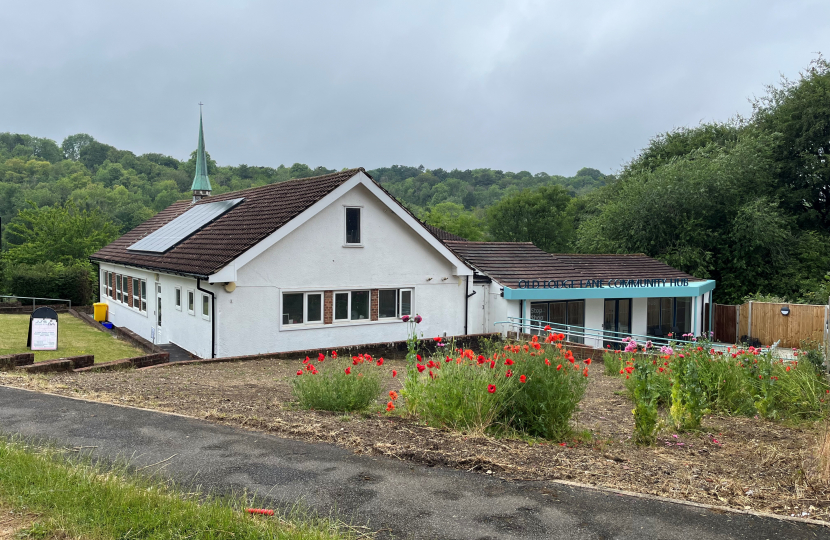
(206,307)
(351,306)
(190,301)
(178,298)
(143,296)
(137,293)
(302,308)
(118,287)
(353,219)
(105,277)
(394,303)
(110,279)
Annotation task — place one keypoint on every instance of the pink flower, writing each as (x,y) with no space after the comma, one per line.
(405,318)
(418,319)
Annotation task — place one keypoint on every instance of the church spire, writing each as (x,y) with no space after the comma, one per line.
(201,183)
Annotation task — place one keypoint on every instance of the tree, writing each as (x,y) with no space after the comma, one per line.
(72,145)
(798,115)
(539,216)
(454,219)
(61,234)
(94,154)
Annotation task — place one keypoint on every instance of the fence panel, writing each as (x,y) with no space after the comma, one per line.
(725,323)
(768,324)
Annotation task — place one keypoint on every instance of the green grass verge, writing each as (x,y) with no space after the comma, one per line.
(74,338)
(73,498)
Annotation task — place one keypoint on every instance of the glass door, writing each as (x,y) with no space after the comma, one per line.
(616,321)
(158,314)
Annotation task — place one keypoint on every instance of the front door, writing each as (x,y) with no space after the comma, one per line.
(157,313)
(616,321)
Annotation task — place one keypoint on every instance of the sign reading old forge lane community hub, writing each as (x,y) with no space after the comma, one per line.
(601,283)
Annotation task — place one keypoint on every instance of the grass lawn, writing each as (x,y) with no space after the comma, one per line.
(74,338)
(69,498)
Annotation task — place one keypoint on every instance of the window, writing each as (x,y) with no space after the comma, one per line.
(292,308)
(353,226)
(666,316)
(394,303)
(206,307)
(143,296)
(110,279)
(118,287)
(190,301)
(178,298)
(137,293)
(341,306)
(302,307)
(314,307)
(360,305)
(406,302)
(351,306)
(105,279)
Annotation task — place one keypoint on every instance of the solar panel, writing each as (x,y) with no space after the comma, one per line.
(183,226)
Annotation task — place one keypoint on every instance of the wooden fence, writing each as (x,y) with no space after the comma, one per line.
(765,322)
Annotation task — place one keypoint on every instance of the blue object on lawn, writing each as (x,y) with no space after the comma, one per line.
(107,325)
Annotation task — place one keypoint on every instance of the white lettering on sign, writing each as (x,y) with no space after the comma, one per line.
(44,334)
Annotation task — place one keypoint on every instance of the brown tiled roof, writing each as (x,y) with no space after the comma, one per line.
(264,210)
(510,262)
(441,234)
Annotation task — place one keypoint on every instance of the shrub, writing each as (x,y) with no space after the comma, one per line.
(646,394)
(533,389)
(332,384)
(613,363)
(688,397)
(52,280)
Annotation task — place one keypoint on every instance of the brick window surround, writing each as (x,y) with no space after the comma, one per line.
(373,310)
(328,307)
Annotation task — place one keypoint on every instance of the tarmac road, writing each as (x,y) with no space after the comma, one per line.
(396,498)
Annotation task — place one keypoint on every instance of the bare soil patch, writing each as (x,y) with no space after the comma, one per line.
(744,463)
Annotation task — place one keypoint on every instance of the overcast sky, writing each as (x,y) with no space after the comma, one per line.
(514,85)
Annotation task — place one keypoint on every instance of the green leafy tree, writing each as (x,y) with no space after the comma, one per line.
(540,216)
(72,145)
(60,234)
(454,219)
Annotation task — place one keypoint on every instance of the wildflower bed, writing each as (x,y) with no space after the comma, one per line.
(738,461)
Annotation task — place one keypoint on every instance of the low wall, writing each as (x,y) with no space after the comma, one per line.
(12,361)
(61,364)
(394,349)
(137,362)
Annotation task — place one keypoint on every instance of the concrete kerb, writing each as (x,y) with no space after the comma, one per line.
(601,489)
(375,349)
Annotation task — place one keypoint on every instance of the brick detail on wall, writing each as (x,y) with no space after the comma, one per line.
(374,305)
(328,307)
(129,291)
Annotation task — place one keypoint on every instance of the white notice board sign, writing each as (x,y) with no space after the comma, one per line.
(44,334)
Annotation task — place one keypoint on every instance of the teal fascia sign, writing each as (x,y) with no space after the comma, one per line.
(536,290)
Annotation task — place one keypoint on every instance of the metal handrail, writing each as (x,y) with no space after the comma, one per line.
(583,332)
(35,298)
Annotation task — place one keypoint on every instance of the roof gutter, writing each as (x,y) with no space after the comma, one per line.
(151,268)
(212,317)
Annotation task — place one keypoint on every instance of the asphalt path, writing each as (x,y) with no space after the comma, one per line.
(395,498)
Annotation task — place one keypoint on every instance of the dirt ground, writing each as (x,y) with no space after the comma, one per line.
(744,463)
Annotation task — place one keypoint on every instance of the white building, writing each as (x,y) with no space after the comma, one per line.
(335,260)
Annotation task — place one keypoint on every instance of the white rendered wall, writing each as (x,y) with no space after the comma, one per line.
(594,316)
(313,258)
(122,315)
(191,332)
(639,316)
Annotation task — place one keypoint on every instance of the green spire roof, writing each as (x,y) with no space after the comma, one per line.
(200,180)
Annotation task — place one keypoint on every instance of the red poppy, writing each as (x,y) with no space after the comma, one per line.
(394,373)
(349,370)
(508,362)
(509,373)
(299,372)
(307,360)
(547,327)
(431,376)
(393,395)
(390,406)
(588,361)
(522,378)
(558,367)
(547,361)
(420,368)
(321,357)
(380,361)
(491,388)
(334,354)
(438,339)
(481,359)
(492,364)
(418,357)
